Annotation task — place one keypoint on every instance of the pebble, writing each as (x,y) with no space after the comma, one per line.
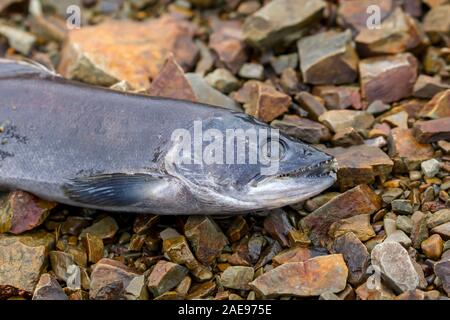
(339,97)
(430,167)
(377,107)
(222,80)
(395,264)
(443,230)
(427,87)
(252,71)
(237,277)
(283,62)
(419,231)
(391,194)
(432,130)
(296,254)
(442,270)
(278,226)
(237,229)
(48,289)
(402,206)
(400,237)
(164,277)
(304,279)
(312,104)
(105,228)
(437,107)
(302,128)
(359,225)
(20,40)
(347,137)
(438,218)
(354,13)
(404,223)
(341,119)
(433,247)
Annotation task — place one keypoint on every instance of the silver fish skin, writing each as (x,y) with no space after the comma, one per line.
(98,148)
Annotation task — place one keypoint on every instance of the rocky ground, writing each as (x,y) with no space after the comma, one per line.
(377,99)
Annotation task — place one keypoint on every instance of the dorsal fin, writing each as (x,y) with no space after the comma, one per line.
(18,68)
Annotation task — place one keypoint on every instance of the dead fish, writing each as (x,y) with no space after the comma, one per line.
(98,148)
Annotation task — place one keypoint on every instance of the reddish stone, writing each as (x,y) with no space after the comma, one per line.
(432,130)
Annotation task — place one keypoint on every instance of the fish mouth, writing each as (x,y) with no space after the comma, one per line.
(318,170)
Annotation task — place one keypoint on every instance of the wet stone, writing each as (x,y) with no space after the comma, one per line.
(406,151)
(433,247)
(402,206)
(60,263)
(404,223)
(48,289)
(400,237)
(303,279)
(432,130)
(347,137)
(391,194)
(144,223)
(355,255)
(428,87)
(398,119)
(397,33)
(438,218)
(22,211)
(164,277)
(124,50)
(178,251)
(237,277)
(237,229)
(94,248)
(170,82)
(296,254)
(437,107)
(388,78)
(205,237)
(342,119)
(267,255)
(20,40)
(359,200)
(396,266)
(360,165)
(283,62)
(110,280)
(202,290)
(377,107)
(281,22)
(443,230)
(328,58)
(74,225)
(339,97)
(252,71)
(136,289)
(302,128)
(105,228)
(278,226)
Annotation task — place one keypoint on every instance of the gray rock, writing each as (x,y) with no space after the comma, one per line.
(390,225)
(442,270)
(396,266)
(438,218)
(400,237)
(285,61)
(48,289)
(222,80)
(18,39)
(207,94)
(237,277)
(252,71)
(402,206)
(378,107)
(391,194)
(404,223)
(430,167)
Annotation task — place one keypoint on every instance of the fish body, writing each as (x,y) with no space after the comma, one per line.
(94,147)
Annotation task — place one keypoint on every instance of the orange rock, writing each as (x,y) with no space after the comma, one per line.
(124,50)
(438,107)
(297,254)
(433,247)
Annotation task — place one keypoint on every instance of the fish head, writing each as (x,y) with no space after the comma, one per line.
(240,164)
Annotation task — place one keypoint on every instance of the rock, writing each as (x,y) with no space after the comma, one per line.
(433,247)
(204,93)
(377,107)
(391,194)
(399,119)
(178,251)
(20,40)
(388,78)
(164,277)
(266,103)
(168,233)
(437,107)
(170,82)
(283,62)
(329,296)
(404,223)
(110,280)
(184,286)
(445,146)
(402,206)
(303,279)
(428,87)
(74,225)
(105,228)
(400,237)
(267,255)
(406,151)
(61,262)
(206,59)
(354,14)
(430,167)
(302,128)
(339,97)
(396,266)
(313,105)
(22,260)
(359,225)
(328,58)
(432,130)
(252,71)
(360,165)
(227,42)
(355,255)
(136,289)
(290,82)
(443,230)
(374,291)
(237,229)
(442,270)
(296,254)
(124,50)
(359,200)
(435,22)
(237,277)
(143,223)
(347,137)
(203,3)
(201,291)
(281,22)
(248,7)
(341,119)
(419,231)
(48,289)
(22,211)
(206,238)
(438,218)
(222,80)
(278,226)
(390,226)
(398,33)
(318,201)
(94,247)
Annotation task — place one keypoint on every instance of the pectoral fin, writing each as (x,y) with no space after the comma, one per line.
(115,190)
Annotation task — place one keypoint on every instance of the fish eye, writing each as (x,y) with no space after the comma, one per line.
(267,149)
